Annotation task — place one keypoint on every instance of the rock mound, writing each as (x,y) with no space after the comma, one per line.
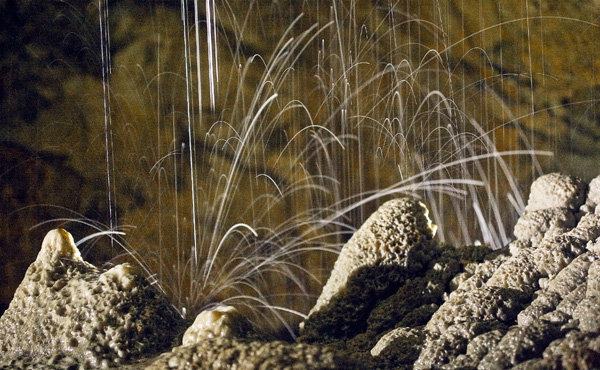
(67,308)
(228,353)
(396,299)
(392,246)
(532,304)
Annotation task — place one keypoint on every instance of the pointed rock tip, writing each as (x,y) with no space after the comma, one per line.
(57,244)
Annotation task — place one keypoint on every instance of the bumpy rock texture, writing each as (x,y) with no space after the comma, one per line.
(67,307)
(224,353)
(220,322)
(532,304)
(391,247)
(396,299)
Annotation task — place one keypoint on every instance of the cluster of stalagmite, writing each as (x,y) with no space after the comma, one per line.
(533,304)
(395,299)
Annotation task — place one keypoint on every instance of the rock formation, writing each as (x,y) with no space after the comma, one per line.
(396,299)
(67,308)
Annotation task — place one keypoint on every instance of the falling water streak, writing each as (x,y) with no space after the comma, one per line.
(532,131)
(213,76)
(106,70)
(158,148)
(361,175)
(188,80)
(177,243)
(211,38)
(198,61)
(211,262)
(422,176)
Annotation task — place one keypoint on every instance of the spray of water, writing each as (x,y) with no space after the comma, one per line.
(315,115)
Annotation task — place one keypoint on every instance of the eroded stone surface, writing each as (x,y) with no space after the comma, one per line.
(67,307)
(554,263)
(391,246)
(396,299)
(556,190)
(225,353)
(219,322)
(541,223)
(593,198)
(408,339)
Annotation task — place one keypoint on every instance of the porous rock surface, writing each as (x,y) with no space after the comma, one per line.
(219,322)
(392,246)
(69,311)
(540,291)
(230,353)
(531,304)
(396,299)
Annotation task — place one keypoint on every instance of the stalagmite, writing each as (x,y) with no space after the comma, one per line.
(396,298)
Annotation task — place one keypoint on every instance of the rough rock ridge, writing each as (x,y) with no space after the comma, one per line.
(392,246)
(67,310)
(532,304)
(396,299)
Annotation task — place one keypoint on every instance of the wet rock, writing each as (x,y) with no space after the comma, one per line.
(419,297)
(219,322)
(394,244)
(519,272)
(564,310)
(593,281)
(554,255)
(449,345)
(536,225)
(544,303)
(577,350)
(549,264)
(411,307)
(519,344)
(556,190)
(225,353)
(66,306)
(480,305)
(476,275)
(481,344)
(400,346)
(396,299)
(593,198)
